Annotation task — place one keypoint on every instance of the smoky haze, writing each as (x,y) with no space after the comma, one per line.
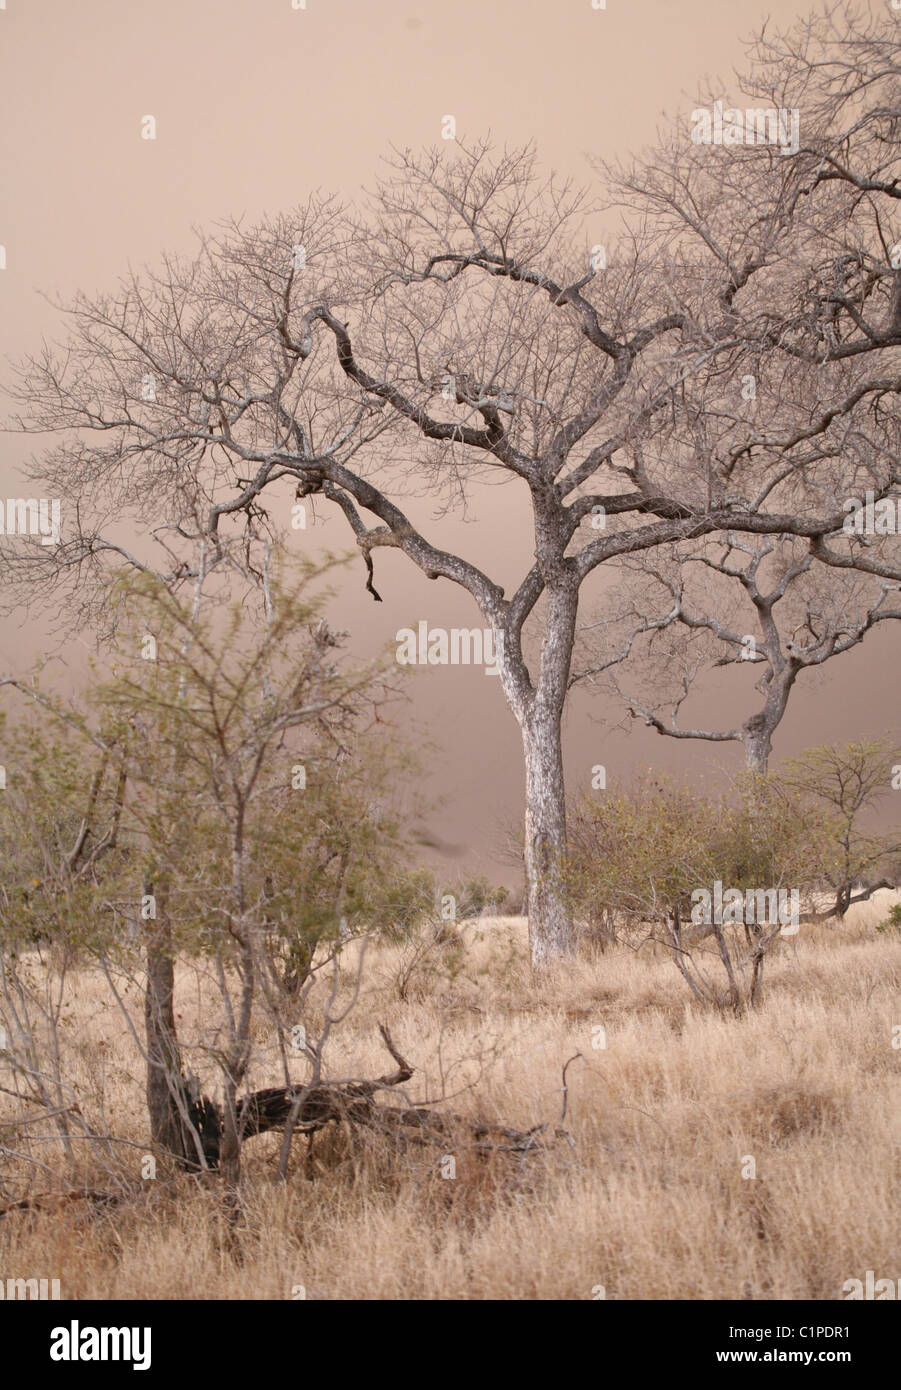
(256,105)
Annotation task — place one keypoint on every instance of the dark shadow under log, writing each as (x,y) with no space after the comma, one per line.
(308,1109)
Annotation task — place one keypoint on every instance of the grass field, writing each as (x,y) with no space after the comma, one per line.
(645,1199)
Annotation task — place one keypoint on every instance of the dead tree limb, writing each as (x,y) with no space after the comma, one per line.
(313,1107)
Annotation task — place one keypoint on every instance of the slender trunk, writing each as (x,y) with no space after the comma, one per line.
(182,1123)
(235,1062)
(230,1147)
(164,1071)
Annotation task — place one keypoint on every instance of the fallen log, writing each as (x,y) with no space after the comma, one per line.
(308,1109)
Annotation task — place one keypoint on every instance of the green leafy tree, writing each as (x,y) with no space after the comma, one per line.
(849,783)
(643,851)
(230,790)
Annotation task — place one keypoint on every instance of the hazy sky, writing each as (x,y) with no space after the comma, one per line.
(256,104)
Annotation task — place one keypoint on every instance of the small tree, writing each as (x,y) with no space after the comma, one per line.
(848,783)
(225,753)
(649,852)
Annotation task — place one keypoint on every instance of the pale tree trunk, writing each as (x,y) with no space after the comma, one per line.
(757,732)
(539,713)
(550,919)
(757,743)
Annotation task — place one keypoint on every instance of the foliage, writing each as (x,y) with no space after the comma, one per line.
(848,784)
(228,732)
(642,851)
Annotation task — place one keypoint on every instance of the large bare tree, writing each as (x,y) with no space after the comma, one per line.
(478,319)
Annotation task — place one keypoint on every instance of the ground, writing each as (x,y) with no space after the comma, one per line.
(646,1199)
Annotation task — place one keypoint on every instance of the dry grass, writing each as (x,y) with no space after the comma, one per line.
(649,1201)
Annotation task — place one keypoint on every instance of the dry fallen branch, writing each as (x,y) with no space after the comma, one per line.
(311,1108)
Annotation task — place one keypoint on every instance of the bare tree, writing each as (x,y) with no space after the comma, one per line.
(462,328)
(764,605)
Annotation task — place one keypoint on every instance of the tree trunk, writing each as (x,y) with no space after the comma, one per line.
(230,1151)
(551,932)
(539,712)
(757,732)
(164,1072)
(758,746)
(183,1123)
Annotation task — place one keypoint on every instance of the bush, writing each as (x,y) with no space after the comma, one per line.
(641,855)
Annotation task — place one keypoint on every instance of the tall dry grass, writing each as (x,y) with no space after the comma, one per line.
(647,1201)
